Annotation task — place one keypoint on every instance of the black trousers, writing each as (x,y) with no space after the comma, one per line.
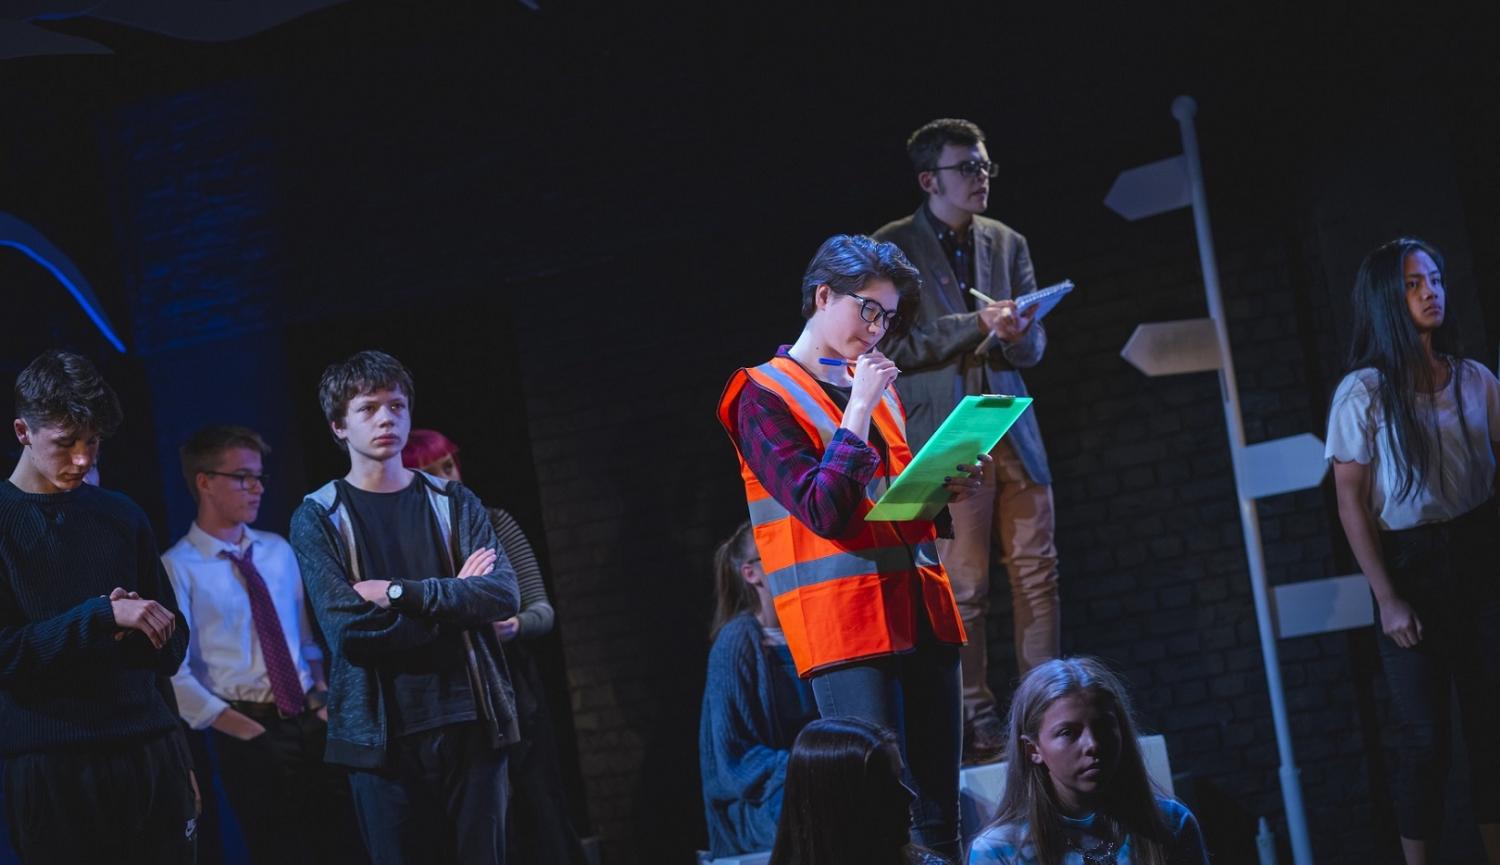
(1450,574)
(441,799)
(292,807)
(125,804)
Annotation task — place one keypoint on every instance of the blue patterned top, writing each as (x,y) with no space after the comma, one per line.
(1008,844)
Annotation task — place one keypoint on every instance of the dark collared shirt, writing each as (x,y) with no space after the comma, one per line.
(959,247)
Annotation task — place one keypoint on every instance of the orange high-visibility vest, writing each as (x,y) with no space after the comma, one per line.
(854,596)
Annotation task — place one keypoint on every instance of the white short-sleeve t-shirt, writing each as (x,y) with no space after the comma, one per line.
(1357,433)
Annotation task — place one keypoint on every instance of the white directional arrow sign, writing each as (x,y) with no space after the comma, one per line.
(1165,348)
(1281,466)
(1321,606)
(1151,189)
(1173,347)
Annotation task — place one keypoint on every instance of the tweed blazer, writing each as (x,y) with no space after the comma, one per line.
(937,355)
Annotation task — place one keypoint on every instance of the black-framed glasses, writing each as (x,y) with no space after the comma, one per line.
(245,478)
(973,168)
(871,311)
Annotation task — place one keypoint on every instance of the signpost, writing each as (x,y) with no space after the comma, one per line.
(1260,470)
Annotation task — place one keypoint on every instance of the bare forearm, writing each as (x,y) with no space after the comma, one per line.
(857,419)
(1364,541)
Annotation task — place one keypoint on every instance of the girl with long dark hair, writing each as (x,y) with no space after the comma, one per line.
(1412,433)
(1076,788)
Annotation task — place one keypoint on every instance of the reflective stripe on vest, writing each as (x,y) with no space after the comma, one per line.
(854,596)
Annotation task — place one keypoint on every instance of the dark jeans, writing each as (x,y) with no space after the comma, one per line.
(122,804)
(292,807)
(919,696)
(1450,574)
(441,799)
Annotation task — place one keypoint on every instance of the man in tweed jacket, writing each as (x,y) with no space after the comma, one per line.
(960,345)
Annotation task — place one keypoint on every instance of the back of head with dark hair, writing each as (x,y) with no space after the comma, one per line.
(200,453)
(926,144)
(846,263)
(837,805)
(63,389)
(365,372)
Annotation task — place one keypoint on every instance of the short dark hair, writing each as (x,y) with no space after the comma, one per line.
(365,372)
(200,453)
(60,388)
(926,144)
(845,263)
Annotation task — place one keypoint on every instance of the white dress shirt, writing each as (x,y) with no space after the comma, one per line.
(224,660)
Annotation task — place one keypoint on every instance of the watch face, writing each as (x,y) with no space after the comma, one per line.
(394,591)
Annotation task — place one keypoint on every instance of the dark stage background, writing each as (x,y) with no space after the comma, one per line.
(574,223)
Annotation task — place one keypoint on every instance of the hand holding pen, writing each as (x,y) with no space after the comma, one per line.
(1000,319)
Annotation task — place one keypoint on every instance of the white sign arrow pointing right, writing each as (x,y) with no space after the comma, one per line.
(1281,466)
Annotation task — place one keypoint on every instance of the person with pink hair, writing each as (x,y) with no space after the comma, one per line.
(540,829)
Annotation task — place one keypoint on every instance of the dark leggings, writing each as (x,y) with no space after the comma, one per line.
(1450,574)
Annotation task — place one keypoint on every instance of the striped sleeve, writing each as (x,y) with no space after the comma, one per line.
(536,614)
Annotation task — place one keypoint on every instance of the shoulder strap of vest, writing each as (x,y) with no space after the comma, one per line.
(809,403)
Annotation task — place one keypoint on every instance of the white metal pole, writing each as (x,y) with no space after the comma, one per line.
(1184,109)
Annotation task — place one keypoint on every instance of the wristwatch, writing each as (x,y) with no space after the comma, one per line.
(393,592)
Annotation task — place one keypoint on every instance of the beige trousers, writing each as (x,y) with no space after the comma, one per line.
(1019,512)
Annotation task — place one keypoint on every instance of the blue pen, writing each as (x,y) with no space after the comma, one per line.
(833,361)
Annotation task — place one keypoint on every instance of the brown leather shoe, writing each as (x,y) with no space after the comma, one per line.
(984,741)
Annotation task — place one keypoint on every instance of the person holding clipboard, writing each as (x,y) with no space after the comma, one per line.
(866,608)
(957,345)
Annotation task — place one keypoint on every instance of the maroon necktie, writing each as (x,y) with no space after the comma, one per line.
(286,685)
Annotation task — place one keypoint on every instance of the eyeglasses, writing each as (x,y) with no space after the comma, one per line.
(973,168)
(871,311)
(245,479)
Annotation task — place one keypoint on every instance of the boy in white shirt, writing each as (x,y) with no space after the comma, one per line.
(253,673)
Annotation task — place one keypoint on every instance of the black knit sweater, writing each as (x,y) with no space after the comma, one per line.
(65,681)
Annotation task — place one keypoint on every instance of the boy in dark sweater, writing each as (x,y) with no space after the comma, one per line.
(419,703)
(95,766)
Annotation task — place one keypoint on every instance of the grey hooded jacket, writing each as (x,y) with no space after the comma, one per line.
(358,634)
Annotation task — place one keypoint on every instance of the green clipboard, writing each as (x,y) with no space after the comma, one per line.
(975,426)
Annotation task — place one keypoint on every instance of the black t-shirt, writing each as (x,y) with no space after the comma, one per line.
(398,539)
(840,396)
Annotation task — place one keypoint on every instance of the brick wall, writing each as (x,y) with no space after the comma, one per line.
(632,218)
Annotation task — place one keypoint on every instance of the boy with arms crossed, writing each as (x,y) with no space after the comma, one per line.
(420,704)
